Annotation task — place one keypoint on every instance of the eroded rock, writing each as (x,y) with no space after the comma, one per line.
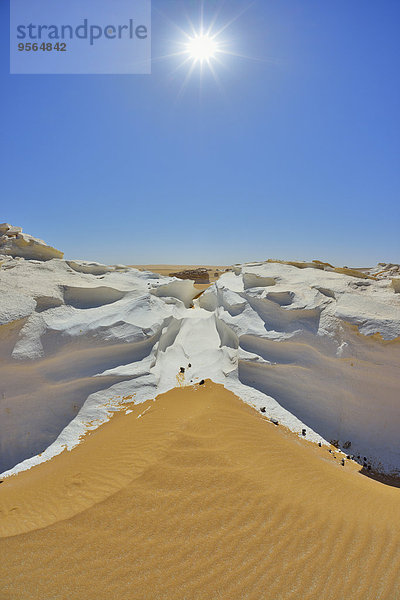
(15,243)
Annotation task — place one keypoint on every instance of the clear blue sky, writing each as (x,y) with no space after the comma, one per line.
(295,154)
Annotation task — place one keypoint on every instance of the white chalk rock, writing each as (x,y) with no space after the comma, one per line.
(91,268)
(318,347)
(4,227)
(15,243)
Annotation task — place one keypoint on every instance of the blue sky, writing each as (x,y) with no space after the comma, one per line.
(293,154)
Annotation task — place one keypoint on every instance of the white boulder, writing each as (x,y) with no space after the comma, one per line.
(15,243)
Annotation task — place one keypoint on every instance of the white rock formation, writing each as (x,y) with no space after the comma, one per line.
(325,345)
(317,348)
(15,243)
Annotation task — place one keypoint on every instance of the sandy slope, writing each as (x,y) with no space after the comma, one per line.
(200,498)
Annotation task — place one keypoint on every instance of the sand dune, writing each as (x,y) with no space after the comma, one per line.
(125,478)
(197,496)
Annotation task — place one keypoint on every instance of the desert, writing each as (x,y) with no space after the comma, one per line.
(161,438)
(199,300)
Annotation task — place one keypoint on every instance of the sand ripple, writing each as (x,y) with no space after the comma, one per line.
(199,499)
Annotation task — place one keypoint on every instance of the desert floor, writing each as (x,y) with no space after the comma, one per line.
(196,496)
(213,270)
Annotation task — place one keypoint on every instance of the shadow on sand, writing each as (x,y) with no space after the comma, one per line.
(391,480)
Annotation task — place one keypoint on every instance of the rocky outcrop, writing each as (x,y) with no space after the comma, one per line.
(324,344)
(385,270)
(199,275)
(17,244)
(317,348)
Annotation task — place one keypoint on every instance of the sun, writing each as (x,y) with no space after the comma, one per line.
(202,47)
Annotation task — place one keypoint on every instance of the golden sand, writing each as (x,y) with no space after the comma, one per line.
(199,498)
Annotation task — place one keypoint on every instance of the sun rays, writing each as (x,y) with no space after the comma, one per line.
(202,49)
